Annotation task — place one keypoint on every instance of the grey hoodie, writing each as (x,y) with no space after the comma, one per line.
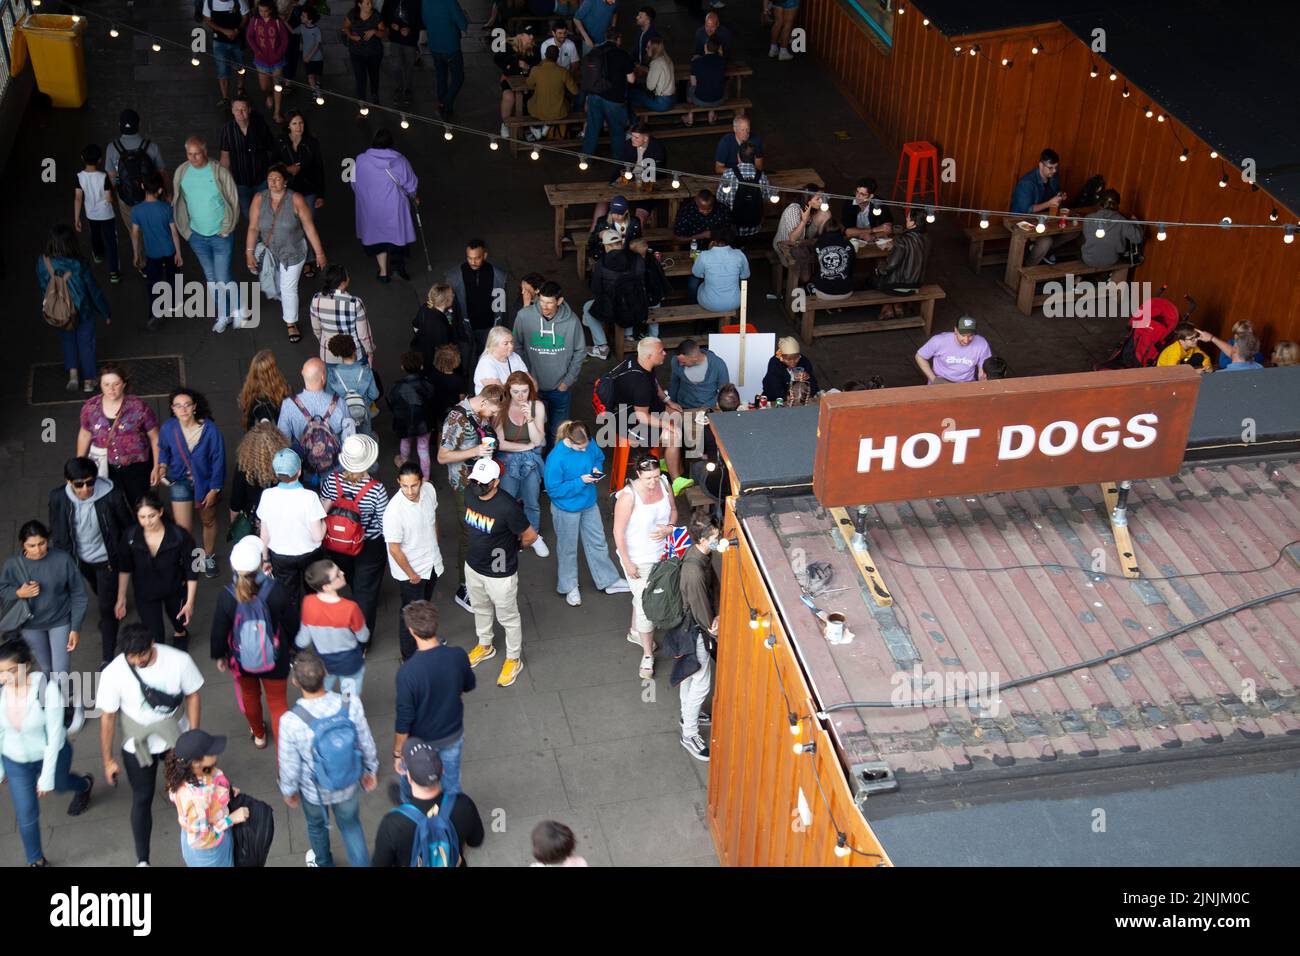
(85,523)
(553,350)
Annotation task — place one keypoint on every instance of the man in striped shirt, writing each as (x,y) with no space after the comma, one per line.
(335,311)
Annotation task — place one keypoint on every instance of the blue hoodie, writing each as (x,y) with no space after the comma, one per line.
(563,476)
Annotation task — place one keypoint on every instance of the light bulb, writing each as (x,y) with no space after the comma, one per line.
(113,33)
(364,111)
(627,174)
(677,183)
(157,47)
(984,220)
(1225,221)
(1005,61)
(1100,233)
(194,61)
(826,207)
(774,198)
(770,642)
(1113,76)
(1034,49)
(1041,227)
(1160,233)
(534,155)
(1223,183)
(808,748)
(494,145)
(712,467)
(279,87)
(76,19)
(795,726)
(1272,216)
(1150,112)
(875,210)
(320,100)
(956,49)
(929,214)
(582,163)
(447,134)
(974,50)
(1093,72)
(241,71)
(406,123)
(1160,117)
(1214,154)
(925,21)
(1288,235)
(841,847)
(1182,158)
(1126,93)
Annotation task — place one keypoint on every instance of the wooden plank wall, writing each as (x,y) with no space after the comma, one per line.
(754,774)
(994,121)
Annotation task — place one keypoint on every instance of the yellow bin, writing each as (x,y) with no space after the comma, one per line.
(54,45)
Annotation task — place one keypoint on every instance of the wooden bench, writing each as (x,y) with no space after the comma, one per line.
(1026,296)
(681,264)
(979,238)
(518,126)
(736,105)
(927,295)
(697,499)
(671,315)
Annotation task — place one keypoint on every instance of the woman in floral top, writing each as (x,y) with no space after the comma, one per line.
(120,432)
(201,794)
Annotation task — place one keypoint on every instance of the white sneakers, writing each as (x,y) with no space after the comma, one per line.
(74,380)
(311,858)
(618,587)
(785,55)
(505,131)
(220,325)
(574,598)
(598,351)
(540,548)
(772,51)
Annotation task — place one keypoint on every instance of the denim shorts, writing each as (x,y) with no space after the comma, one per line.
(268,67)
(229,57)
(182,490)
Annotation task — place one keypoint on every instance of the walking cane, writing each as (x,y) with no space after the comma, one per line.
(415,208)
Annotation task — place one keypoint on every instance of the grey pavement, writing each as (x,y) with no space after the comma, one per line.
(574,739)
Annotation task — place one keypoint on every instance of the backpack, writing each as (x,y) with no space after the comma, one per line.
(747,204)
(591,72)
(335,749)
(656,283)
(320,446)
(436,841)
(344,533)
(631,304)
(254,641)
(602,393)
(58,307)
(358,408)
(662,600)
(133,167)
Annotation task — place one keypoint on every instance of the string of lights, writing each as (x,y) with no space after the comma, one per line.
(406,118)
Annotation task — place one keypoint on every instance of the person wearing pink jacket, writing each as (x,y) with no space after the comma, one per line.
(268,38)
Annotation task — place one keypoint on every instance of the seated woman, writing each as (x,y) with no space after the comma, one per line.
(518,58)
(903,271)
(834,256)
(782,367)
(660,81)
(717,272)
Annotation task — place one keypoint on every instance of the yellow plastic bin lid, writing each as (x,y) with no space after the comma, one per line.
(53,26)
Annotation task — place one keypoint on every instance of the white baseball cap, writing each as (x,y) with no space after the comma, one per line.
(485,471)
(246,555)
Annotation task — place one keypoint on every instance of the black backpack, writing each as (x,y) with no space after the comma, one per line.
(631,305)
(591,73)
(656,283)
(747,205)
(133,167)
(1090,194)
(602,394)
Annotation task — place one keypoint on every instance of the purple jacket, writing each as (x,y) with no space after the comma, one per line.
(383,209)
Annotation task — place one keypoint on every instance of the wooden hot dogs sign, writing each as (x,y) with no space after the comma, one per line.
(1043,432)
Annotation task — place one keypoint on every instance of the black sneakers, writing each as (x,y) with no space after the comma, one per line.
(81,800)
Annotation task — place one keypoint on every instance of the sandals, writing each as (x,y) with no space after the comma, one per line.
(295,336)
(647,669)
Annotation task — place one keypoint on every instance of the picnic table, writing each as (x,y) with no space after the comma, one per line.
(563,195)
(736,73)
(862,250)
(1020,239)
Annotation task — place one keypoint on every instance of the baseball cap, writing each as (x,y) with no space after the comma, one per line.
(611,237)
(618,205)
(197,744)
(246,555)
(788,345)
(966,325)
(423,765)
(129,121)
(485,470)
(286,462)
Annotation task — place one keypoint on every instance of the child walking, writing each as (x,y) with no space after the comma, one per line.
(95,195)
(411,401)
(336,627)
(313,50)
(153,232)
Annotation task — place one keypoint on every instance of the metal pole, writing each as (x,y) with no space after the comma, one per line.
(1119,517)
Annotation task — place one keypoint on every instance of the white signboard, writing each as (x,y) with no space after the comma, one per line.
(759,349)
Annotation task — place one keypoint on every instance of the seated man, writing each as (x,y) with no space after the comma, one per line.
(995,368)
(698,218)
(617,218)
(728,151)
(862,218)
(645,156)
(834,258)
(698,376)
(783,367)
(713,30)
(1186,344)
(956,356)
(549,82)
(568,50)
(1241,350)
(1037,192)
(903,271)
(1117,233)
(708,83)
(749,208)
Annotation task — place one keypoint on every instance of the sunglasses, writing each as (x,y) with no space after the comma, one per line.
(88,482)
(648,464)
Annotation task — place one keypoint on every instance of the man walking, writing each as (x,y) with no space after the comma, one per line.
(246,144)
(292,528)
(548,335)
(694,641)
(411,534)
(444,22)
(316,422)
(128,161)
(421,772)
(607,75)
(206,210)
(326,751)
(480,290)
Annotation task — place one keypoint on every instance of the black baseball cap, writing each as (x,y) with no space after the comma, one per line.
(129,121)
(423,765)
(197,744)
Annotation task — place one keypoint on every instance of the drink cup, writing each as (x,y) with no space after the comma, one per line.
(835,627)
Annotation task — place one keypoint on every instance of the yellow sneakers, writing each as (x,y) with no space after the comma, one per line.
(510,671)
(481,653)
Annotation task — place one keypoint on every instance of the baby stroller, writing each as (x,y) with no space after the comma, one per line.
(1150,326)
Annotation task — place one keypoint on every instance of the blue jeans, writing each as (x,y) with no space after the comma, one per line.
(557,411)
(587,526)
(599,112)
(229,56)
(246,194)
(223,854)
(347,816)
(213,253)
(79,347)
(450,757)
(597,328)
(23,778)
(528,490)
(693,284)
(443,63)
(641,99)
(346,685)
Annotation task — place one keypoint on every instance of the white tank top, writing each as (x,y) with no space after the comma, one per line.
(94,197)
(641,548)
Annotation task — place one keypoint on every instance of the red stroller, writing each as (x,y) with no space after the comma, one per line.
(1150,326)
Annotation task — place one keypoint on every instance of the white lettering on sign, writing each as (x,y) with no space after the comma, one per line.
(1056,439)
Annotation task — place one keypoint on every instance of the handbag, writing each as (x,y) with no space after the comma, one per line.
(252,837)
(100,457)
(243,526)
(15,612)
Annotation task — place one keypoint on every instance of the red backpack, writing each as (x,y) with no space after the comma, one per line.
(344,533)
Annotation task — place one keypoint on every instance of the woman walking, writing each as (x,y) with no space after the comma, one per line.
(573,468)
(364,31)
(268,38)
(35,755)
(119,432)
(354,482)
(264,390)
(521,429)
(385,186)
(281,219)
(350,377)
(336,311)
(644,512)
(253,475)
(158,561)
(49,581)
(301,155)
(62,257)
(257,657)
(498,361)
(192,457)
(201,794)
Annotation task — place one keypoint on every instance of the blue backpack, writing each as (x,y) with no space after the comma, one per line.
(335,750)
(436,842)
(253,639)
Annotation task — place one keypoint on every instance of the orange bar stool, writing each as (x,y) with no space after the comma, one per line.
(922,161)
(618,468)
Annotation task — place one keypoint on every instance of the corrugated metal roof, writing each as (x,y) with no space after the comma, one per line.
(1227,683)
